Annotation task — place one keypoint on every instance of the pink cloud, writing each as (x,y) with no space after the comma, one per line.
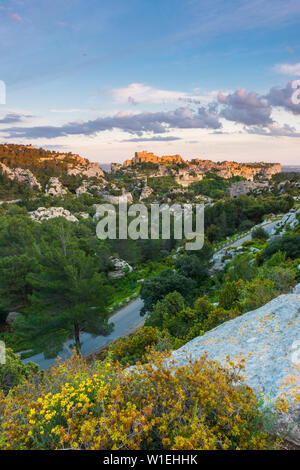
(16,17)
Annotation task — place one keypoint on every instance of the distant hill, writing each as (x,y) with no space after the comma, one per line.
(291,168)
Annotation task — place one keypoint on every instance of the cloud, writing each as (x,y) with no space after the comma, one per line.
(274,130)
(139,93)
(245,108)
(282,97)
(70,110)
(288,69)
(11,118)
(158,138)
(290,50)
(16,17)
(136,124)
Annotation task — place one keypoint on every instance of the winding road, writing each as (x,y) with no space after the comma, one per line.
(126,321)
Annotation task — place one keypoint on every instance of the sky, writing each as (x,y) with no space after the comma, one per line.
(212,79)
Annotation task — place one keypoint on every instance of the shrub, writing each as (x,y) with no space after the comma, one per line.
(155,406)
(289,244)
(133,348)
(230,294)
(157,287)
(259,234)
(14,371)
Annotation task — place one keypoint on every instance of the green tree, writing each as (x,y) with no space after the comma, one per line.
(156,288)
(70,296)
(289,244)
(259,234)
(165,309)
(191,266)
(15,287)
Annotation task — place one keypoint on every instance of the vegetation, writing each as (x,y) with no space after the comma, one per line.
(13,372)
(214,186)
(154,407)
(56,275)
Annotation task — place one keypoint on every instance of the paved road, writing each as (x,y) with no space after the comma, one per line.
(125,320)
(268,227)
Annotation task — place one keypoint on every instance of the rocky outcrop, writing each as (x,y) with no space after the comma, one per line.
(121,268)
(24,176)
(246,187)
(11,317)
(87,187)
(186,177)
(90,170)
(268,339)
(149,157)
(124,197)
(146,192)
(224,169)
(44,214)
(114,167)
(288,222)
(54,188)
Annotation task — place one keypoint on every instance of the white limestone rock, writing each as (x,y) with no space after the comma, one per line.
(44,214)
(146,192)
(269,340)
(24,176)
(12,316)
(121,268)
(55,188)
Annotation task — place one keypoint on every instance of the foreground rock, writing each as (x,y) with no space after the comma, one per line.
(269,340)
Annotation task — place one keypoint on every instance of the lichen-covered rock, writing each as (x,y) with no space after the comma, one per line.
(269,340)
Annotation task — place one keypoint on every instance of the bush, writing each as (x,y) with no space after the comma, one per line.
(156,288)
(133,348)
(153,407)
(289,244)
(14,371)
(191,266)
(259,234)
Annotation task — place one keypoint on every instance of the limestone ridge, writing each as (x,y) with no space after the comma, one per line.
(269,340)
(187,172)
(224,169)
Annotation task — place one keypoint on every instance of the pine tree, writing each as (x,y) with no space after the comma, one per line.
(69,297)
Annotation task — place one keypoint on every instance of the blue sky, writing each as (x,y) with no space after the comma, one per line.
(205,78)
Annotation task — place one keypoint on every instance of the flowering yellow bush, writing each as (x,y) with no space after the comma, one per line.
(154,406)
